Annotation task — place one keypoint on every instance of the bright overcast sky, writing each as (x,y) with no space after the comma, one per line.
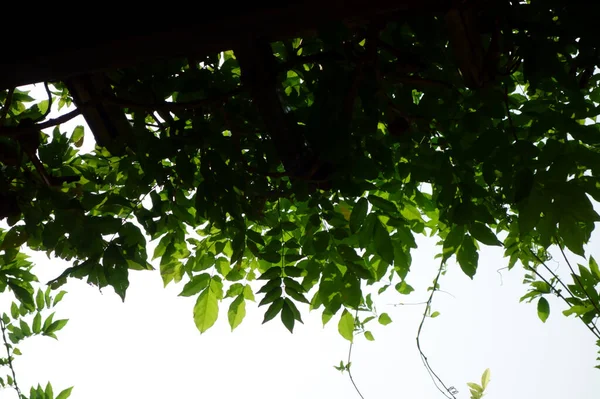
(149,347)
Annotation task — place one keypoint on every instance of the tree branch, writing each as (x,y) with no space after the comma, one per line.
(172,106)
(15,131)
(259,75)
(59,120)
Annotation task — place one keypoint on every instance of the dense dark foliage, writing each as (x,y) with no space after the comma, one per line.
(311,163)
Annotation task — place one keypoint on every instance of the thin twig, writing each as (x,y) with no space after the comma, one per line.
(576,278)
(554,275)
(501,279)
(435,378)
(9,356)
(593,329)
(6,107)
(173,106)
(407,304)
(349,360)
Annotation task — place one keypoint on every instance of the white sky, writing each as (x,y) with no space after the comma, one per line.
(148,347)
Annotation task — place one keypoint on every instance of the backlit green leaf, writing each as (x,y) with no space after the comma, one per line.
(77,136)
(39,300)
(206,310)
(55,326)
(346,325)
(37,323)
(236,312)
(543,309)
(485,378)
(384,319)
(196,284)
(404,288)
(64,394)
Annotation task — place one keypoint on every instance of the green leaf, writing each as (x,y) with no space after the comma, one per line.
(270,285)
(48,392)
(294,309)
(321,241)
(234,290)
(273,310)
(248,294)
(255,236)
(475,387)
(291,283)
(369,336)
(485,379)
(383,204)
(206,310)
(58,297)
(293,271)
(434,315)
(543,309)
(272,272)
(48,321)
(411,213)
(296,295)
(346,325)
(271,296)
(384,319)
(484,234)
(77,136)
(572,234)
(14,238)
(25,328)
(195,285)
(39,300)
(116,270)
(37,323)
(65,393)
(453,241)
(468,257)
(523,184)
(287,316)
(48,297)
(55,326)
(358,215)
(594,268)
(365,234)
(237,312)
(14,310)
(404,288)
(383,242)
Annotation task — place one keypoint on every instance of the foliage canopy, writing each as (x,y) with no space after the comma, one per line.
(311,163)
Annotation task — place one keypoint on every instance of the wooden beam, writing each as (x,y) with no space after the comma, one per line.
(94,39)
